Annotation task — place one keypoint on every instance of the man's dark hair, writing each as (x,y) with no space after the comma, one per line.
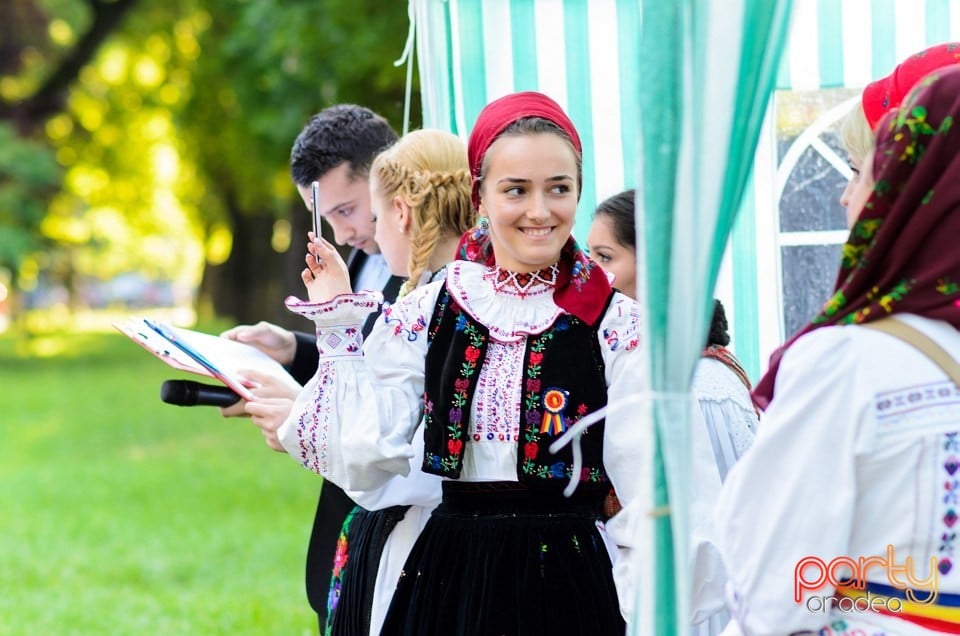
(341,133)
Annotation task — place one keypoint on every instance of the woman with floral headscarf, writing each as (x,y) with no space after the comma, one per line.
(858,127)
(842,515)
(510,349)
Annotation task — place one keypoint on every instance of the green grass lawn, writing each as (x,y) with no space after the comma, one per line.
(123,515)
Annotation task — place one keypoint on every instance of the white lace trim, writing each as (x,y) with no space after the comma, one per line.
(509,317)
(715,383)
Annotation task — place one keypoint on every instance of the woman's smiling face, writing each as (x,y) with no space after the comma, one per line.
(529,194)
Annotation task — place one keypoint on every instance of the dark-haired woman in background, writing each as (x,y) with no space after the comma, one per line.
(720,383)
(720,386)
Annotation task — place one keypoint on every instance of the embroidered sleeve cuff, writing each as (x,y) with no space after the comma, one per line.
(345,310)
(338,322)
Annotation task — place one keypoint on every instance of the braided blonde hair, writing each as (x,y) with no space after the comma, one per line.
(428,170)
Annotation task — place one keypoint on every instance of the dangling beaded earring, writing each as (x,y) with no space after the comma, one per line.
(476,247)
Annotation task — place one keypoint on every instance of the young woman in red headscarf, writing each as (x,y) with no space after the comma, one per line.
(843,514)
(857,128)
(498,359)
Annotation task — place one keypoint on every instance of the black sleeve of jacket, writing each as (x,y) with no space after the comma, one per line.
(306,359)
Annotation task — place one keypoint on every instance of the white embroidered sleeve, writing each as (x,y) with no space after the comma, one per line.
(627,440)
(728,414)
(623,439)
(792,495)
(354,420)
(415,489)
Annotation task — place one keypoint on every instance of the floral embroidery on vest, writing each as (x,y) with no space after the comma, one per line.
(539,425)
(563,380)
(451,459)
(461,395)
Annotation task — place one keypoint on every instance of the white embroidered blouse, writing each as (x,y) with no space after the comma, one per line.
(355,421)
(856,455)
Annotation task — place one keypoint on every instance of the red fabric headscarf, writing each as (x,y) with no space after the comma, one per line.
(885,94)
(582,287)
(902,254)
(502,112)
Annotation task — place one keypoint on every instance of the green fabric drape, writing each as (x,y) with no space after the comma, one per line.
(706,72)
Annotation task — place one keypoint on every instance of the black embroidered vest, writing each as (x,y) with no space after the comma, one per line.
(563,380)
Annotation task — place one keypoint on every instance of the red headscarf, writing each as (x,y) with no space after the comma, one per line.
(902,255)
(582,287)
(885,94)
(502,112)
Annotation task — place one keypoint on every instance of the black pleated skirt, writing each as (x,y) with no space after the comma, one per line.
(352,591)
(498,559)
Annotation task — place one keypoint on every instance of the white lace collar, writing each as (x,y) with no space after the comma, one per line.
(511,306)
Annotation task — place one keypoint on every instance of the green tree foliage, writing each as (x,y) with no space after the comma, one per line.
(126,200)
(171,121)
(265,67)
(28,173)
(44,47)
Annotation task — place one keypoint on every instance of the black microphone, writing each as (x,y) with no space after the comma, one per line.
(187,393)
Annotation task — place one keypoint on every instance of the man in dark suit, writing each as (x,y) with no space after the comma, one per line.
(335,148)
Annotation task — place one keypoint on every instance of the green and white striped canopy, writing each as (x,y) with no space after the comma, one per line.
(850,43)
(585,55)
(830,44)
(675,89)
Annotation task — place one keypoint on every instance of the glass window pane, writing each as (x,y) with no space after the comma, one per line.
(811,194)
(809,273)
(811,197)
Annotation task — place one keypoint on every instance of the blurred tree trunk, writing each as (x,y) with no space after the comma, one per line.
(253,282)
(255,279)
(293,264)
(246,287)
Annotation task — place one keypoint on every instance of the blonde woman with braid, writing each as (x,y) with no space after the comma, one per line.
(420,197)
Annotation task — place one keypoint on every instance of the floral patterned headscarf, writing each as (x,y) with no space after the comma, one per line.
(902,255)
